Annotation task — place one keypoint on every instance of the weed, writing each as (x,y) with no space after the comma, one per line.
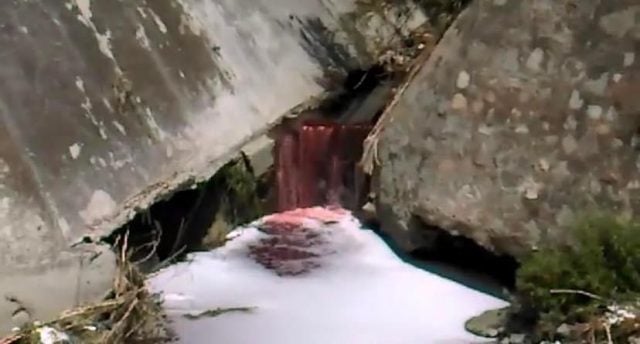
(241,201)
(579,282)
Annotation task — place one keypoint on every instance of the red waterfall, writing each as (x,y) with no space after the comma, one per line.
(316,164)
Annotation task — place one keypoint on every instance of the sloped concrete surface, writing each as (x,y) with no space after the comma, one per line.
(74,278)
(106,106)
(524,119)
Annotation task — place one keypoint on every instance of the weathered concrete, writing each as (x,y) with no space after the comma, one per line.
(72,279)
(260,154)
(108,105)
(525,116)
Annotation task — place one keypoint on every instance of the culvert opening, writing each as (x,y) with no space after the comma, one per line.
(465,260)
(360,98)
(197,218)
(317,154)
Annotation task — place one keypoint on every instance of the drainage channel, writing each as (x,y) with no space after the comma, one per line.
(307,161)
(313,162)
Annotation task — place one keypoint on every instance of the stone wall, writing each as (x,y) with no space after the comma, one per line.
(107,106)
(526,116)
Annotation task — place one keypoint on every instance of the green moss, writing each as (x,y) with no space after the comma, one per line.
(572,283)
(241,202)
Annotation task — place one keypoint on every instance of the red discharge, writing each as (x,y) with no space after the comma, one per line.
(316,164)
(290,247)
(296,218)
(286,173)
(314,146)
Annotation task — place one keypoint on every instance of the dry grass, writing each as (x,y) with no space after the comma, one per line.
(441,15)
(370,154)
(129,315)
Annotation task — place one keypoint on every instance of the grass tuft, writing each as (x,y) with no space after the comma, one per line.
(581,282)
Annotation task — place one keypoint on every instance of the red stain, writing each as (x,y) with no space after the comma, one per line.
(316,164)
(297,216)
(316,178)
(292,248)
(287,250)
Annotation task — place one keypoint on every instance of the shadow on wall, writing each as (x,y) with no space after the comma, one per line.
(197,218)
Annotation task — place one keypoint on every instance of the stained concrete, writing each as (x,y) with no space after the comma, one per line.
(524,119)
(108,105)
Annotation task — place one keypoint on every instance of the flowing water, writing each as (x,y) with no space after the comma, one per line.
(312,273)
(316,164)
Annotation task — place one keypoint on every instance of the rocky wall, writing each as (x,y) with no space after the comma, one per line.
(525,117)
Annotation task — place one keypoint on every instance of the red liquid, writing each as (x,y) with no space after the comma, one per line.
(316,164)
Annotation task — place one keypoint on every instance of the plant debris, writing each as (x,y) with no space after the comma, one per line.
(407,61)
(370,155)
(210,313)
(130,314)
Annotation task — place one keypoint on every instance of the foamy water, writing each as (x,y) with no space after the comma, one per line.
(314,276)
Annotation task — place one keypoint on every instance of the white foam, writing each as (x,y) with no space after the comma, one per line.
(363,293)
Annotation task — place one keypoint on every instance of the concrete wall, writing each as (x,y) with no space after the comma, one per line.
(106,106)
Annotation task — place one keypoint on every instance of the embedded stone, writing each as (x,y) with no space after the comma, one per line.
(551,114)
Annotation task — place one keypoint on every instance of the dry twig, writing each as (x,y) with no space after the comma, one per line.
(578,292)
(607,329)
(217,311)
(370,153)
